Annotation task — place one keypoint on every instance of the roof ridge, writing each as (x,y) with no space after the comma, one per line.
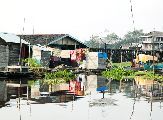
(42,34)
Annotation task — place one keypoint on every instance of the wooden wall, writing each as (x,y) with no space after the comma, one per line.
(45,57)
(3,92)
(14,50)
(4,56)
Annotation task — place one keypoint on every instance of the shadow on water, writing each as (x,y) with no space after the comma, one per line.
(102,102)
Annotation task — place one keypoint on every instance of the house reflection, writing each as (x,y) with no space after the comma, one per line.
(149,88)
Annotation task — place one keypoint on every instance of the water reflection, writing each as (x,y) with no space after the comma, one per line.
(130,104)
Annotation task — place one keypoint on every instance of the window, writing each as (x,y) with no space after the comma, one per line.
(161,38)
(157,39)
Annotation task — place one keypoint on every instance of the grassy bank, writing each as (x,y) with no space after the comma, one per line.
(123,64)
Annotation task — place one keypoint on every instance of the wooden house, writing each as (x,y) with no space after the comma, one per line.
(10,49)
(62,41)
(58,43)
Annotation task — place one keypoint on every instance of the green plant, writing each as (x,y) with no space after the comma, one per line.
(119,74)
(32,62)
(149,75)
(34,66)
(123,64)
(58,77)
(153,76)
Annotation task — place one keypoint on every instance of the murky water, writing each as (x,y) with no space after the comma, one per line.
(122,107)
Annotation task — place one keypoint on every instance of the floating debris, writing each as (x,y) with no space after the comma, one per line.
(102,102)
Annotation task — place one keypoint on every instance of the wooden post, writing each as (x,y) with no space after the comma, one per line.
(20,52)
(103,94)
(27,93)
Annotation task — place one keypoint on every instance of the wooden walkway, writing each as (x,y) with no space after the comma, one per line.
(16,72)
(9,74)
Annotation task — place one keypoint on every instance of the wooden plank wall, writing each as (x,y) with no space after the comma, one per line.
(14,50)
(3,91)
(45,57)
(4,53)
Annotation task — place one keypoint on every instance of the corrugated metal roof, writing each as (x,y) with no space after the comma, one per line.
(10,37)
(47,39)
(155,33)
(42,39)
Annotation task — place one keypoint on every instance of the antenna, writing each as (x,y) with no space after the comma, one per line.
(20,53)
(23,25)
(33,29)
(132,15)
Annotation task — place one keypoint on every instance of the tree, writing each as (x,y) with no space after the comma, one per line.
(113,41)
(93,42)
(133,37)
(129,38)
(110,40)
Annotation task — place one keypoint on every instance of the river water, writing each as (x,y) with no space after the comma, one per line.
(121,106)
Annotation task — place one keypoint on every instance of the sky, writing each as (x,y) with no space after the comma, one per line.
(80,18)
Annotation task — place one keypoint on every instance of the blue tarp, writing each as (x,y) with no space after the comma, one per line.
(150,66)
(102,55)
(103,88)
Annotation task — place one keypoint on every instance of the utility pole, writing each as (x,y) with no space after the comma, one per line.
(105,48)
(20,51)
(105,45)
(153,39)
(121,55)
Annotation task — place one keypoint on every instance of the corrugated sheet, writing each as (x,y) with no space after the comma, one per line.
(9,37)
(48,39)
(42,39)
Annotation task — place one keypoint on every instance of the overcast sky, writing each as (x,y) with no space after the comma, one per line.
(79,18)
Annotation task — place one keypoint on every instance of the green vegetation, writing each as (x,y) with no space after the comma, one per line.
(58,77)
(32,62)
(34,66)
(132,37)
(118,73)
(113,41)
(123,64)
(31,82)
(149,75)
